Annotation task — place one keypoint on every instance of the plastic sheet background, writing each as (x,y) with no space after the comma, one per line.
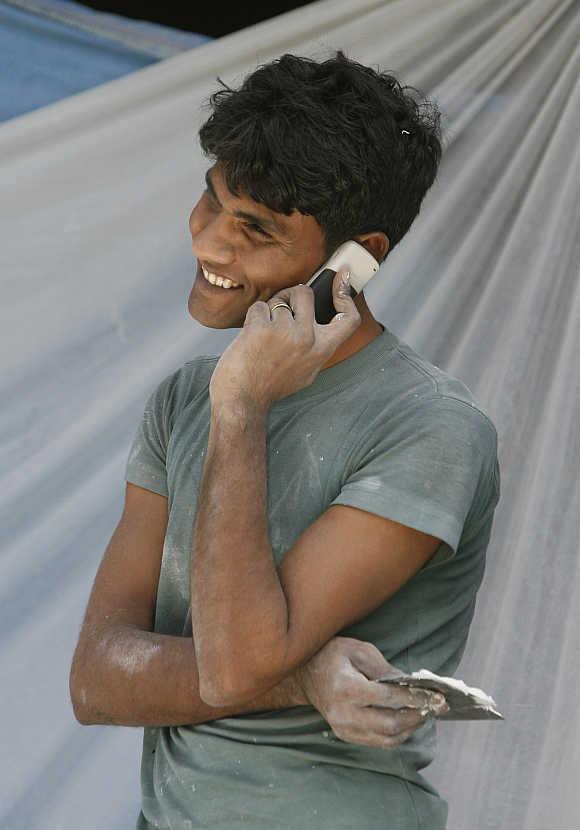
(96,268)
(50,49)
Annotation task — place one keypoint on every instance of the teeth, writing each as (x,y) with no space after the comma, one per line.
(223,282)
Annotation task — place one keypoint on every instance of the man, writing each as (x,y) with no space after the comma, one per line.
(314,481)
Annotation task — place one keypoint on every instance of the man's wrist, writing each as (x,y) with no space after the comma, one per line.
(285,695)
(294,690)
(239,411)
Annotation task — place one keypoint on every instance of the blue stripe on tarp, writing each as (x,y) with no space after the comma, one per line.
(50,49)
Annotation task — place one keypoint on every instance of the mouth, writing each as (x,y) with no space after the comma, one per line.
(218,281)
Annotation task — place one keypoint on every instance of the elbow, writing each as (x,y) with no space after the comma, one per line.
(220,691)
(80,697)
(82,716)
(234,685)
(84,712)
(231,675)
(79,700)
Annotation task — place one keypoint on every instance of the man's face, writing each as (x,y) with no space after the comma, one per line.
(244,241)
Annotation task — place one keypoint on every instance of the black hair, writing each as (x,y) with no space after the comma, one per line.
(333,139)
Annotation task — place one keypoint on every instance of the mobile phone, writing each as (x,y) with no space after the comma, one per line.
(352,256)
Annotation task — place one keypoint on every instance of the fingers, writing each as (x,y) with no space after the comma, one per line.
(281,315)
(389,696)
(373,727)
(341,296)
(364,711)
(412,697)
(393,722)
(348,318)
(368,659)
(301,299)
(259,312)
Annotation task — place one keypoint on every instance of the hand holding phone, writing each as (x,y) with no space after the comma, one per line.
(350,256)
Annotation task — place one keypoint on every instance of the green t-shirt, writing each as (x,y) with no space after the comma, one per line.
(383,431)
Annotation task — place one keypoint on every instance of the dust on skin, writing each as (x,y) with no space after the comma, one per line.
(130,660)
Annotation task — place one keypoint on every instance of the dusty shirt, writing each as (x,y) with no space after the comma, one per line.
(383,431)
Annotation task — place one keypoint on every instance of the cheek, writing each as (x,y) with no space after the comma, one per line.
(270,278)
(197,219)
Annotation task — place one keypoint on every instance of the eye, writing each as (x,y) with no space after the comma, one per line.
(256,229)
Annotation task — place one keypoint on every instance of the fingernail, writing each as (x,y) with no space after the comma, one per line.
(345,280)
(437,700)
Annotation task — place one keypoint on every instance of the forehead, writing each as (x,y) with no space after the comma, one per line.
(289,229)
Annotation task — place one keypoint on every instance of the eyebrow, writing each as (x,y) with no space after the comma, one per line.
(270,224)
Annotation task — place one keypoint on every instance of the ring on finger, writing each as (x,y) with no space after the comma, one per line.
(281,304)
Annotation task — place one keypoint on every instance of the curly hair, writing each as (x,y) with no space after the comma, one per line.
(335,139)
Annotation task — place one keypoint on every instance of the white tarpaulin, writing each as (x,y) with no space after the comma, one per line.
(96,267)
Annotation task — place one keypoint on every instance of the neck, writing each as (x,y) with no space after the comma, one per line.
(366,332)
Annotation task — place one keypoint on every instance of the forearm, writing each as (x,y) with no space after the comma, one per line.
(240,616)
(132,677)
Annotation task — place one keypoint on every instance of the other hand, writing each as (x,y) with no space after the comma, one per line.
(339,682)
(277,353)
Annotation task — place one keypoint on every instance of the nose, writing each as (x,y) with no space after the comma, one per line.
(209,241)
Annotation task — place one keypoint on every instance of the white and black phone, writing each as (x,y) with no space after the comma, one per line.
(351,256)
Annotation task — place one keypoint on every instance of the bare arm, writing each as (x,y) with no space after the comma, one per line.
(122,672)
(254,623)
(131,677)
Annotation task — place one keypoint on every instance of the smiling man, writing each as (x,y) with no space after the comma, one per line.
(308,511)
(273,252)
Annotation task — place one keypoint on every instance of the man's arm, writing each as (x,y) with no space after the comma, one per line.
(122,672)
(253,624)
(125,674)
(133,677)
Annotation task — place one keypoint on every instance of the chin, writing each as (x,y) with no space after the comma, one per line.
(212,321)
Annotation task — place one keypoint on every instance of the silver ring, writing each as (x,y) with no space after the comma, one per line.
(281,305)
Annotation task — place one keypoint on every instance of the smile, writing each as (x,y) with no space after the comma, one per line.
(223,282)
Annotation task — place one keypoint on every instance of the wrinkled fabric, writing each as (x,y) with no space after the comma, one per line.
(96,268)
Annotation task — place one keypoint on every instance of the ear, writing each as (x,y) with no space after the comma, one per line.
(376,242)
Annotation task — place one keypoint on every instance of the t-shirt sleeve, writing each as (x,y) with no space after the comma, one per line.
(433,469)
(146,463)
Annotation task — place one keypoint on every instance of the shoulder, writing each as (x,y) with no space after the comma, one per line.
(179,388)
(425,453)
(406,393)
(449,421)
(418,416)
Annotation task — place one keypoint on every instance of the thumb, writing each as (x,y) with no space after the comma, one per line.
(369,660)
(342,298)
